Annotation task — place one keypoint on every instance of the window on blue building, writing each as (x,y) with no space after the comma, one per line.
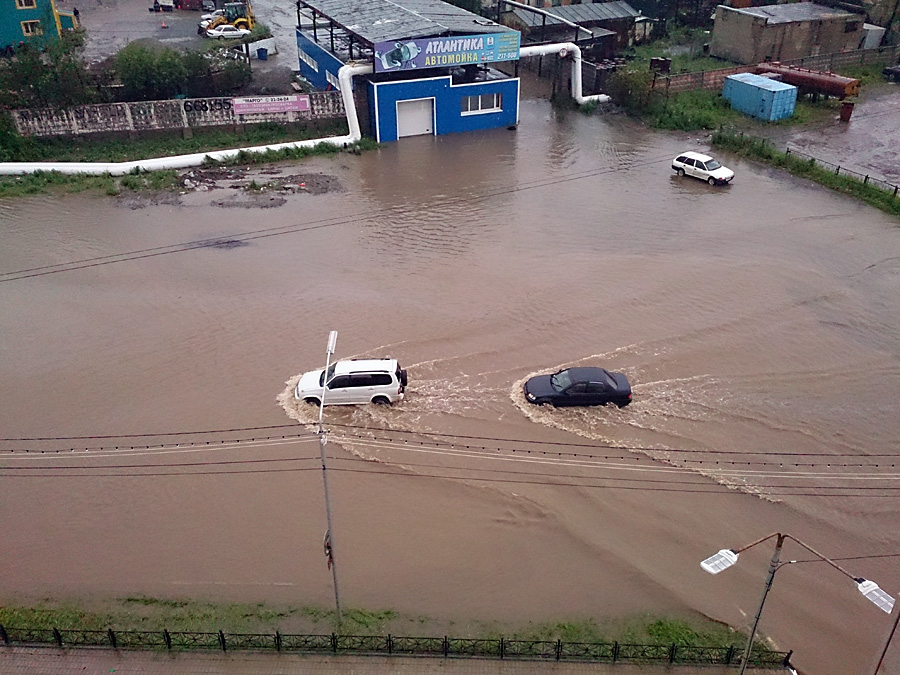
(471,105)
(26,4)
(308,60)
(30,28)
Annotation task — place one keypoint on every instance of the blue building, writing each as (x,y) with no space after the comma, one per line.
(33,21)
(431,63)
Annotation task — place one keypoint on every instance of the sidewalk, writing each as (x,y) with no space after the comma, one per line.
(51,661)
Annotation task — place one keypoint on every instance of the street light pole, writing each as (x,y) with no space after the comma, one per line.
(774,564)
(728,557)
(323,441)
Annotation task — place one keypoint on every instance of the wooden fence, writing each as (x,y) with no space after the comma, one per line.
(714,79)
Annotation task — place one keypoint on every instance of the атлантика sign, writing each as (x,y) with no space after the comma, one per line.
(446,51)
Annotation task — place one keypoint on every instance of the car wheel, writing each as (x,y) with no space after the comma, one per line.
(711,180)
(680,173)
(312,401)
(381,400)
(403,378)
(546,401)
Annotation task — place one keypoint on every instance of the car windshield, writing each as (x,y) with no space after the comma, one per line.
(561,380)
(330,375)
(712,165)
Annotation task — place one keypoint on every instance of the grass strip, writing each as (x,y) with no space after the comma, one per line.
(54,182)
(154,614)
(763,150)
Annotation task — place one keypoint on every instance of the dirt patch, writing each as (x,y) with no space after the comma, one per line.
(261,182)
(141,200)
(251,201)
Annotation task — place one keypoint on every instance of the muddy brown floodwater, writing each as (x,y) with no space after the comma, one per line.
(757,323)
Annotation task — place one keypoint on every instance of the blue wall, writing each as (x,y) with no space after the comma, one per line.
(326,63)
(383,98)
(11,18)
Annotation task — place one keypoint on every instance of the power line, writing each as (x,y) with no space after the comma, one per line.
(548,479)
(711,489)
(651,454)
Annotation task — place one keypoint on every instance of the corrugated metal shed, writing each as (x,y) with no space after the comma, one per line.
(598,11)
(382,20)
(795,12)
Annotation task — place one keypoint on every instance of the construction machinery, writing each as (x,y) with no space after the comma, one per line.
(238,14)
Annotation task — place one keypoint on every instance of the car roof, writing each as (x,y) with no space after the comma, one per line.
(364,366)
(588,374)
(696,155)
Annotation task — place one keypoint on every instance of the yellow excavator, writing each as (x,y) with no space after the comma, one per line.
(238,14)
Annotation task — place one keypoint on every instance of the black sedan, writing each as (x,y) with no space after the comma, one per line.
(579,386)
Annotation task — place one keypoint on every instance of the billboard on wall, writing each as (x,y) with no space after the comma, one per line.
(440,52)
(269,104)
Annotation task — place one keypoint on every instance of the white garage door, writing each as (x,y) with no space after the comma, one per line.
(415,118)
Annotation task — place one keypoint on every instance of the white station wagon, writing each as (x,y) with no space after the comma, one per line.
(703,167)
(354,381)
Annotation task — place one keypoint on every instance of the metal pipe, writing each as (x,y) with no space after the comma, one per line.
(546,14)
(563,49)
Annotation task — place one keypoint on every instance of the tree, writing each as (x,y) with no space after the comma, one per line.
(150,74)
(47,74)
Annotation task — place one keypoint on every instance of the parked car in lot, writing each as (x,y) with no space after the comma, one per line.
(227,31)
(579,386)
(212,15)
(703,167)
(354,381)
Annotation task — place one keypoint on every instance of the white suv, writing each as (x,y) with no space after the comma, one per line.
(354,381)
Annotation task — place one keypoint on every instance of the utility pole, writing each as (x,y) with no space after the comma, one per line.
(323,441)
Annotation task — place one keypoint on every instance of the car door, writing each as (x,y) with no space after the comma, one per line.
(701,171)
(338,390)
(599,393)
(689,166)
(360,388)
(577,394)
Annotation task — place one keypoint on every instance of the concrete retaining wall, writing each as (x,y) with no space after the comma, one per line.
(156,115)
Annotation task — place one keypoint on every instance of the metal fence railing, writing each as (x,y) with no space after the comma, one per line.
(500,648)
(839,170)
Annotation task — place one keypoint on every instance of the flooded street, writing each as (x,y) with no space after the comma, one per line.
(757,323)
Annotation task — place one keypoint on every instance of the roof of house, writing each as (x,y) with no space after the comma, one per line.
(796,11)
(585,13)
(375,21)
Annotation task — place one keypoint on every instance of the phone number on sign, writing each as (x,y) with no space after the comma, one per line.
(202,105)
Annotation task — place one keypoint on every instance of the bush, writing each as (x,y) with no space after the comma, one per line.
(150,74)
(630,89)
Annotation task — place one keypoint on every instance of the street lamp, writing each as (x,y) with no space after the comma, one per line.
(323,441)
(728,557)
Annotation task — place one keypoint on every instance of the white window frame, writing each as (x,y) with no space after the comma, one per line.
(331,78)
(481,104)
(32,27)
(26,4)
(307,59)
